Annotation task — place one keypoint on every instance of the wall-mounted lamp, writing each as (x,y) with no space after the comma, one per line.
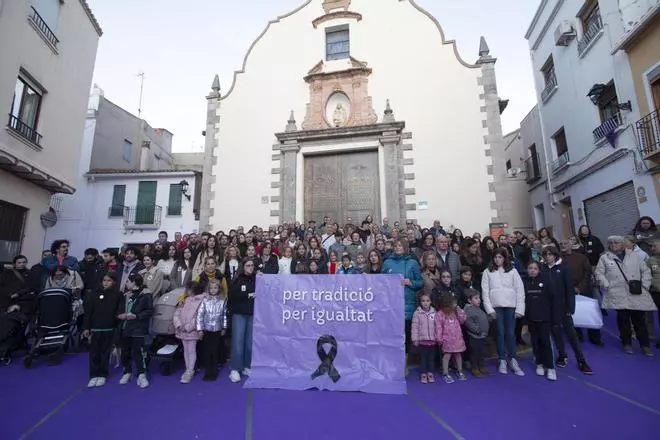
(596,93)
(184,189)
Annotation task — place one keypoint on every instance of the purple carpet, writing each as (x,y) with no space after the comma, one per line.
(621,400)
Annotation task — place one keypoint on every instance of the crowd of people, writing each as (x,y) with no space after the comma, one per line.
(459,291)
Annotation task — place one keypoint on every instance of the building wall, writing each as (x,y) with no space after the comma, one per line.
(437,96)
(96,229)
(512,194)
(114,125)
(644,54)
(570,108)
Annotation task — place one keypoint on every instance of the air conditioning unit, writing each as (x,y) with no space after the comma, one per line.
(564,33)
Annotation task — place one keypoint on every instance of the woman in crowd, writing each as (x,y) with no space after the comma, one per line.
(268,262)
(153,278)
(182,271)
(645,231)
(375,262)
(209,249)
(229,268)
(627,281)
(471,257)
(430,273)
(241,304)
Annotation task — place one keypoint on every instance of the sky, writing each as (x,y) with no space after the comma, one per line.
(180,46)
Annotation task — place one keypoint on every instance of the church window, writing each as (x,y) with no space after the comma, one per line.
(338,44)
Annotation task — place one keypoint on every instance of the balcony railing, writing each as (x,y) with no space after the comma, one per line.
(142,217)
(560,162)
(116,211)
(24,130)
(593,27)
(550,84)
(608,127)
(43,28)
(648,132)
(533,168)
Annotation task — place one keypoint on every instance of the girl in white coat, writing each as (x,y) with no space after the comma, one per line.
(503,296)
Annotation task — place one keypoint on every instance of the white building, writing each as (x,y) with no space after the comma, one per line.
(589,160)
(384,118)
(129,187)
(47,54)
(517,213)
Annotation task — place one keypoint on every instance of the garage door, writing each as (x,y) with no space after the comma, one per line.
(613,212)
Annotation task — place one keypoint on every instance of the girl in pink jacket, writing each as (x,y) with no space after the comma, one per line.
(185,326)
(423,337)
(449,335)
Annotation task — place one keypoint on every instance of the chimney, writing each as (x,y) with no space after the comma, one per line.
(145,151)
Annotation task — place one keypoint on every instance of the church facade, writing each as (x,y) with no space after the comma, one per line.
(346,108)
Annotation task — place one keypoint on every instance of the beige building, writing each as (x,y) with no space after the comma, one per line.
(47,54)
(511,185)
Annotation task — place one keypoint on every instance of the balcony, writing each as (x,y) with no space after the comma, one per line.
(24,130)
(608,127)
(590,33)
(43,28)
(550,86)
(142,217)
(560,163)
(533,169)
(648,133)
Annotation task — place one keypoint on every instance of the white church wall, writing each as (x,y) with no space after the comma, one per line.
(429,89)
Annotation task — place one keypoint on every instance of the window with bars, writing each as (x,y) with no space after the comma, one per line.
(25,109)
(338,44)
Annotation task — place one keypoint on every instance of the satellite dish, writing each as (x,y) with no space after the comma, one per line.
(49,219)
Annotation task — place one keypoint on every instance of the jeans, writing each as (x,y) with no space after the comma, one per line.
(638,318)
(241,342)
(99,353)
(541,344)
(506,333)
(427,355)
(566,328)
(476,350)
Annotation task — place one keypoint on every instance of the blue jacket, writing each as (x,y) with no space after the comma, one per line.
(409,268)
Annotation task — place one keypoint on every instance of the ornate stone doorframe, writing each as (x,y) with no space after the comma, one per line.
(389,137)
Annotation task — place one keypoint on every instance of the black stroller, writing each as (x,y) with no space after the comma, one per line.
(55,326)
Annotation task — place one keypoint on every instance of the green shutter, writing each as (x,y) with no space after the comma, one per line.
(174,206)
(118,196)
(145,210)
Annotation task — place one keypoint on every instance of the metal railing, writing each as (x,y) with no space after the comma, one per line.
(116,211)
(593,27)
(560,162)
(43,27)
(648,133)
(608,126)
(533,168)
(142,217)
(24,130)
(550,84)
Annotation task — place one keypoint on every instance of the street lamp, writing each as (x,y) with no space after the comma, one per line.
(184,189)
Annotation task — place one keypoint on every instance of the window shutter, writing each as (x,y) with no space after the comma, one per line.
(118,196)
(174,206)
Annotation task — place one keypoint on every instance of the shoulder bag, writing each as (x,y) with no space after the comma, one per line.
(634,286)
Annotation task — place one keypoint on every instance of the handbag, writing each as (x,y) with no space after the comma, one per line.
(634,286)
(587,313)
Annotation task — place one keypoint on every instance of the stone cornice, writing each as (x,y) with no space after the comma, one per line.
(336,16)
(338,74)
(377,130)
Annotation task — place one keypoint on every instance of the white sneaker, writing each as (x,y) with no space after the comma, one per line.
(516,368)
(186,377)
(142,381)
(503,368)
(92,382)
(126,378)
(552,375)
(246,372)
(100,381)
(540,371)
(234,376)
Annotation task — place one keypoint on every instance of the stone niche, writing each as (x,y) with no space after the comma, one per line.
(339,98)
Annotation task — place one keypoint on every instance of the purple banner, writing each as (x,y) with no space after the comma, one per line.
(331,332)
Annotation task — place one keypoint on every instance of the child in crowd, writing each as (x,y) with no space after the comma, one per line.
(347,266)
(212,322)
(136,316)
(423,337)
(449,335)
(100,322)
(285,261)
(463,285)
(477,326)
(538,311)
(185,326)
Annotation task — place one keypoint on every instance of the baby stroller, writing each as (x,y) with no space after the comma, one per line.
(55,326)
(165,347)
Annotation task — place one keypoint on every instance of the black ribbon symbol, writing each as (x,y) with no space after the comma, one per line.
(327,359)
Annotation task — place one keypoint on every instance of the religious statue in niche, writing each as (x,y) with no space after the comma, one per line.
(339,116)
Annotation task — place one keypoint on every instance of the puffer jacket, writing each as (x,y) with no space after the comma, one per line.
(185,318)
(617,295)
(409,268)
(423,325)
(212,314)
(502,289)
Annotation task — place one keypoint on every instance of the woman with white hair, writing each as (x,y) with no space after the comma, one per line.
(627,281)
